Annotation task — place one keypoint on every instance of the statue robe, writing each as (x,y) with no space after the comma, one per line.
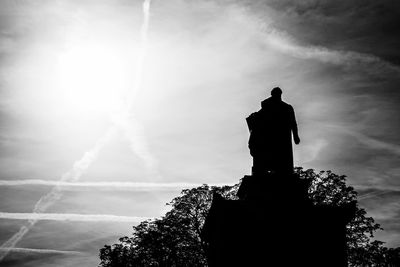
(270,140)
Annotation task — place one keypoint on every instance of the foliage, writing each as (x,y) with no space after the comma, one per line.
(331,189)
(175,240)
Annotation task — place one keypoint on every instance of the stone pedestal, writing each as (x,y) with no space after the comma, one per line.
(275,224)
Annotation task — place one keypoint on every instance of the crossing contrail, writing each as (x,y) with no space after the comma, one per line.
(72,217)
(121,120)
(45,251)
(374,194)
(117,186)
(55,193)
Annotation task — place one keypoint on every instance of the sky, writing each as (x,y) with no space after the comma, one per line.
(66,68)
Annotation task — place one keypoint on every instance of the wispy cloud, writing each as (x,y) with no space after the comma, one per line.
(286,44)
(375,143)
(71,217)
(104,186)
(231,41)
(384,210)
(137,142)
(48,199)
(374,194)
(376,187)
(42,251)
(126,186)
(311,150)
(368,141)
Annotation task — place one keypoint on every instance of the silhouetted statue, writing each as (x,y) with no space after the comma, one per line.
(271,131)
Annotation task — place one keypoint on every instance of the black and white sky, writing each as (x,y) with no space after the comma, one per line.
(65,65)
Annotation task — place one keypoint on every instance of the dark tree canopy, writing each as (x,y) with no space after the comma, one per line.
(175,239)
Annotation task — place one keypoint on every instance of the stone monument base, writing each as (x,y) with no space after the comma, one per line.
(275,224)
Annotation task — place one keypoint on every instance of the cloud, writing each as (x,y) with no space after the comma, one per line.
(368,26)
(376,144)
(284,43)
(384,209)
(33,218)
(118,186)
(368,141)
(12,241)
(41,251)
(375,193)
(310,151)
(71,217)
(233,57)
(48,199)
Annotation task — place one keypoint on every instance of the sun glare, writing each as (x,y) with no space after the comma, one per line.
(91,80)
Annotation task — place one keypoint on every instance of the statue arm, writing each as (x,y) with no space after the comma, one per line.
(251,121)
(294,127)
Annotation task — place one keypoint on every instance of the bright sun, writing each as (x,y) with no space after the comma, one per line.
(91,79)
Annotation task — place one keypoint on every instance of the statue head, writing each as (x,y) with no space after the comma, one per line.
(276,93)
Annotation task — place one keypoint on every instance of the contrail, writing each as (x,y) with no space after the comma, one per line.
(130,125)
(47,200)
(72,217)
(44,251)
(118,186)
(374,194)
(88,158)
(75,173)
(133,132)
(141,55)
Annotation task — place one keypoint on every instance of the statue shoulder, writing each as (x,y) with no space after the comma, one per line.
(253,115)
(287,105)
(267,102)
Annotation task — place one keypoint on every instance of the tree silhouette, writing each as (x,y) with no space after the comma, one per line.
(175,239)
